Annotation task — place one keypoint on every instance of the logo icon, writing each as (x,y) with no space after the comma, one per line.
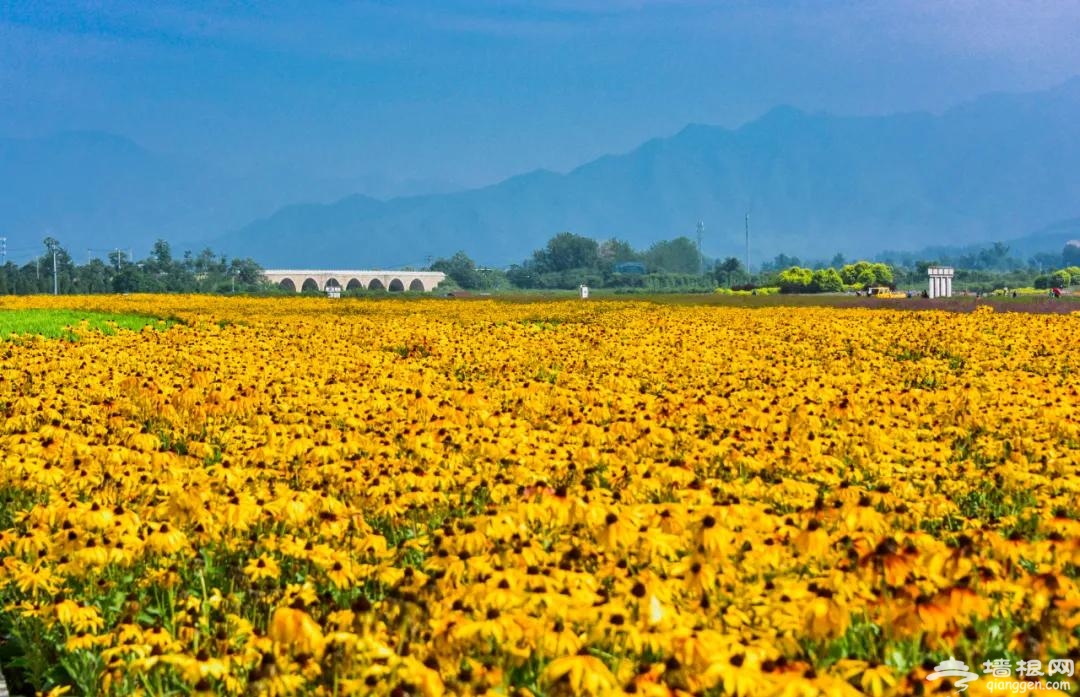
(953,668)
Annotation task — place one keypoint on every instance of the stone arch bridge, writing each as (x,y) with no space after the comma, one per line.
(301,280)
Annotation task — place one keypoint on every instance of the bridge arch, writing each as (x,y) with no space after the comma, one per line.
(319,280)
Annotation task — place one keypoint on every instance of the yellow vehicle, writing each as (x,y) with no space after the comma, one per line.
(884,292)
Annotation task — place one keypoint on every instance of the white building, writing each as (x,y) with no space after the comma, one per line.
(940,281)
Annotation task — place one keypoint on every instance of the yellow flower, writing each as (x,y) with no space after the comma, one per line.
(578,675)
(618,495)
(165,539)
(877,680)
(81,618)
(297,631)
(34,579)
(262,567)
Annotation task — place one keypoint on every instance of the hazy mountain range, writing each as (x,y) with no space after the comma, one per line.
(100,191)
(997,168)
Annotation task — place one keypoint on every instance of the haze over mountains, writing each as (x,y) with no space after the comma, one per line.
(100,191)
(998,168)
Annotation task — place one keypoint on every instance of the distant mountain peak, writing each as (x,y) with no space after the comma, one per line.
(524,179)
(817,183)
(993,169)
(782,115)
(692,128)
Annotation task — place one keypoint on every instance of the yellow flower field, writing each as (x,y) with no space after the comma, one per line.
(310,496)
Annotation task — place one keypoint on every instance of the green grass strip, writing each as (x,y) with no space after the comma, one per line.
(68,324)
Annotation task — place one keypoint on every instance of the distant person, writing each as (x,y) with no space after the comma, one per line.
(1014,293)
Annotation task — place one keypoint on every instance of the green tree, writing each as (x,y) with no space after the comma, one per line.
(158,273)
(127,280)
(726,270)
(922,267)
(994,257)
(1045,261)
(208,262)
(567,251)
(1060,278)
(94,277)
(866,274)
(64,268)
(28,279)
(523,276)
(826,281)
(795,280)
(247,273)
(161,257)
(780,262)
(883,274)
(460,269)
(679,255)
(615,251)
(118,259)
(850,272)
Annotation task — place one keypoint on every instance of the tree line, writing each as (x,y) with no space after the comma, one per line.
(996,257)
(569,260)
(160,272)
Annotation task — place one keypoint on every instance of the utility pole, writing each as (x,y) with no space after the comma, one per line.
(55,285)
(118,260)
(3,251)
(748,243)
(701,256)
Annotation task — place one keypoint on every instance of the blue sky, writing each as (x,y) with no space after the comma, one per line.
(473,91)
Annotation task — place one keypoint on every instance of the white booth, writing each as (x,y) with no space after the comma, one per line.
(940,281)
